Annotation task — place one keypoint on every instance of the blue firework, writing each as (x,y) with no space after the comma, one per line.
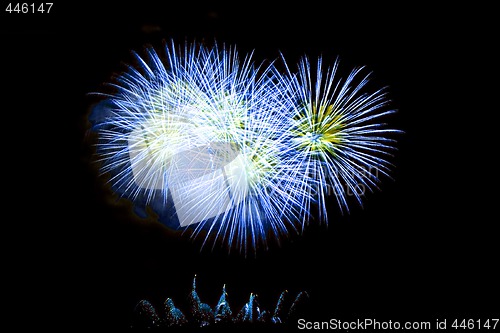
(339,140)
(205,133)
(236,151)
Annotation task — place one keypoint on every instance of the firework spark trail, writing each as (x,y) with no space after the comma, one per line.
(242,151)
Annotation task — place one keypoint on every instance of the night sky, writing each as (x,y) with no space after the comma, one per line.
(424,247)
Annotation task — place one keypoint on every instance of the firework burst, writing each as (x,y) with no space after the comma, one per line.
(337,137)
(240,151)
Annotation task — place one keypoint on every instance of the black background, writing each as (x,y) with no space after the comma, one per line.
(425,247)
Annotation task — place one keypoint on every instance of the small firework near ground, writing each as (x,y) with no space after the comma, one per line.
(201,315)
(236,151)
